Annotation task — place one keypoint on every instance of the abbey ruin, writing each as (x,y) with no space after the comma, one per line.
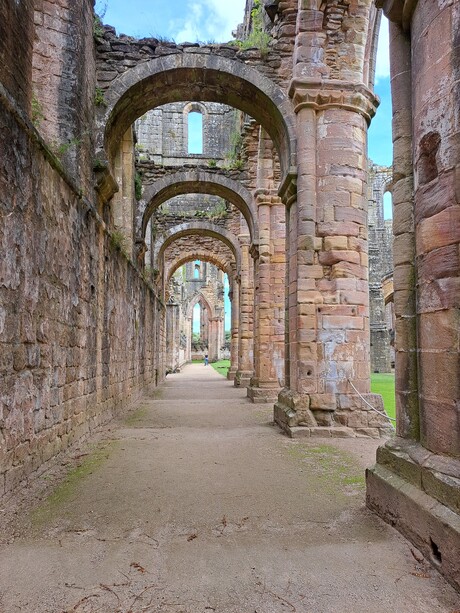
(113,231)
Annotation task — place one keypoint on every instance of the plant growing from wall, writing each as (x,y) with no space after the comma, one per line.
(119,241)
(99,98)
(37,111)
(258,37)
(98,26)
(60,149)
(138,185)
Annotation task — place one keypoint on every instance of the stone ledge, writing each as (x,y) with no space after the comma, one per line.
(261,395)
(431,526)
(319,432)
(437,476)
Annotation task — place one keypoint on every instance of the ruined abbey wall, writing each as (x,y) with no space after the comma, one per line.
(80,331)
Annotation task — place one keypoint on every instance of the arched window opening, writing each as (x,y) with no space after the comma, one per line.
(387,206)
(195,132)
(196,323)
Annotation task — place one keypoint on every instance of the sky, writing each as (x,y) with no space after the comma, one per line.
(214,21)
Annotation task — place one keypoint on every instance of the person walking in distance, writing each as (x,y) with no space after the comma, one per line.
(206,360)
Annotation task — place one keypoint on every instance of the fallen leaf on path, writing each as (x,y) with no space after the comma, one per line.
(192,537)
(138,567)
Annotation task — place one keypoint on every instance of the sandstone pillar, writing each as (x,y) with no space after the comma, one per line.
(172,337)
(245,344)
(415,483)
(123,201)
(234,296)
(188,347)
(328,371)
(269,277)
(265,383)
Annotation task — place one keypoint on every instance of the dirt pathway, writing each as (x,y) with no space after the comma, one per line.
(196,504)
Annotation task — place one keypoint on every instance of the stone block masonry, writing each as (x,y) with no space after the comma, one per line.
(79,328)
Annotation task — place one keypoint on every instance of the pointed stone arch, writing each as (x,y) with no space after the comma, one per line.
(226,265)
(201,228)
(197,181)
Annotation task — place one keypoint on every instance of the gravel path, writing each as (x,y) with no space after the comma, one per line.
(195,503)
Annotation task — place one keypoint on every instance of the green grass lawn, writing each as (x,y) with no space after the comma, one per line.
(384,384)
(381,383)
(221,366)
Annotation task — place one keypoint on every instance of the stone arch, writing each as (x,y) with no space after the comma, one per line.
(202,255)
(200,228)
(198,77)
(198,182)
(388,289)
(197,298)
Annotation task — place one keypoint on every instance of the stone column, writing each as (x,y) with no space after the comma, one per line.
(188,326)
(234,296)
(123,201)
(415,483)
(328,367)
(265,384)
(245,342)
(172,336)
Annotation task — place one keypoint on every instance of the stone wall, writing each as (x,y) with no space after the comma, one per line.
(16,24)
(64,81)
(162,134)
(380,267)
(80,331)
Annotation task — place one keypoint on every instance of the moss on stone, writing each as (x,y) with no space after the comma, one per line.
(67,489)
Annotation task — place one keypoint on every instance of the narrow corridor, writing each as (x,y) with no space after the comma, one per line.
(195,503)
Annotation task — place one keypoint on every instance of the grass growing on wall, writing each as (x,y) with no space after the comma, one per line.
(384,384)
(221,366)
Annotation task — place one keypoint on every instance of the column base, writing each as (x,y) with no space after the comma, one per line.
(418,493)
(340,415)
(260,393)
(231,374)
(242,378)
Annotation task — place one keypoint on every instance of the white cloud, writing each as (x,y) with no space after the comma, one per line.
(208,20)
(382,68)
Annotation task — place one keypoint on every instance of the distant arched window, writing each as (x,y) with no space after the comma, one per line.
(197,271)
(195,132)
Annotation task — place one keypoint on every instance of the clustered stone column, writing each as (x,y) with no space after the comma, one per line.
(245,330)
(234,296)
(327,365)
(269,278)
(415,483)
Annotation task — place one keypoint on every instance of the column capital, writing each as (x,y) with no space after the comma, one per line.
(288,190)
(266,197)
(324,94)
(398,11)
(254,251)
(244,239)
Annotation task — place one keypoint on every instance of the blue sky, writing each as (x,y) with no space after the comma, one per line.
(214,21)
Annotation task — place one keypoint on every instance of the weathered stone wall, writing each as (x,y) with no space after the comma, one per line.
(64,82)
(79,328)
(162,134)
(380,266)
(16,24)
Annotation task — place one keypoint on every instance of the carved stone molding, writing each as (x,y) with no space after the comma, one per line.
(321,95)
